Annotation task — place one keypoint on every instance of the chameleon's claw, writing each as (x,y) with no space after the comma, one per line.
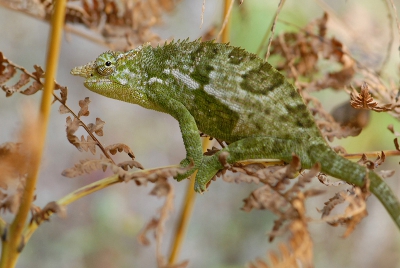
(199,188)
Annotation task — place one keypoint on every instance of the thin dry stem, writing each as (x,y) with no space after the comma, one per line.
(371,154)
(391,37)
(186,213)
(98,143)
(203,7)
(89,189)
(396,17)
(280,5)
(72,197)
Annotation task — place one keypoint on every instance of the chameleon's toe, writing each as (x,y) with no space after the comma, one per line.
(199,188)
(185,164)
(204,175)
(183,176)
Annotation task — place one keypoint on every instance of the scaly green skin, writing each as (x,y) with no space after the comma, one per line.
(231,95)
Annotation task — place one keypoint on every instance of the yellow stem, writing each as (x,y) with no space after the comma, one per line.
(226,31)
(12,246)
(72,197)
(185,215)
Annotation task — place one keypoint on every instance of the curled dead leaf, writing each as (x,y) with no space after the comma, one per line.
(364,100)
(97,127)
(120,147)
(44,214)
(130,164)
(84,104)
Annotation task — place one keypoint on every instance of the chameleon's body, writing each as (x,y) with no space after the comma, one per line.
(231,95)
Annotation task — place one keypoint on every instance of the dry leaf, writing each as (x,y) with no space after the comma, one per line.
(43,215)
(86,166)
(364,100)
(84,104)
(15,161)
(119,147)
(97,127)
(63,109)
(71,128)
(130,164)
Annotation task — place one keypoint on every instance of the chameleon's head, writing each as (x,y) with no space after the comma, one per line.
(110,76)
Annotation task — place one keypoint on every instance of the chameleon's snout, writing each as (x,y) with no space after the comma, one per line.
(85,70)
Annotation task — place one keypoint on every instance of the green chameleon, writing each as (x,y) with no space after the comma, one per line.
(231,95)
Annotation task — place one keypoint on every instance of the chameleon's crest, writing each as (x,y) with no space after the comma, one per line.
(84,70)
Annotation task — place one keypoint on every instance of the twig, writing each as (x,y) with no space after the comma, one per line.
(86,128)
(186,213)
(371,154)
(203,7)
(87,190)
(280,5)
(391,39)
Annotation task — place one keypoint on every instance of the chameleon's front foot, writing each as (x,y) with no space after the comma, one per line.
(205,173)
(207,168)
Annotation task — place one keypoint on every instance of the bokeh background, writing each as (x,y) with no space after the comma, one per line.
(101,229)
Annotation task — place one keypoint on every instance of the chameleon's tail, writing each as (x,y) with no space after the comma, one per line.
(339,167)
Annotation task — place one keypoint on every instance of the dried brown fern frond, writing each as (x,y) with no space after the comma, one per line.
(161,189)
(40,215)
(13,168)
(116,22)
(355,197)
(27,84)
(326,122)
(364,100)
(30,83)
(86,166)
(159,177)
(396,134)
(91,142)
(372,164)
(277,193)
(15,162)
(298,251)
(301,51)
(354,212)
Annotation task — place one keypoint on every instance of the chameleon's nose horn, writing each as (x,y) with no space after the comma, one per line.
(84,71)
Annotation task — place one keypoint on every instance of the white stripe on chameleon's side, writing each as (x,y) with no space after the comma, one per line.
(186,79)
(155,80)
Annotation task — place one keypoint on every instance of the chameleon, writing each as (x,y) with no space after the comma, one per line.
(229,94)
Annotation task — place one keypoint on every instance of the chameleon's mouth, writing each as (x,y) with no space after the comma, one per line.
(93,83)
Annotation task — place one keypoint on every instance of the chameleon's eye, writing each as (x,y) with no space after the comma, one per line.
(105,63)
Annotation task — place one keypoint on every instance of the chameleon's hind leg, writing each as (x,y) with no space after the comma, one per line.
(248,148)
